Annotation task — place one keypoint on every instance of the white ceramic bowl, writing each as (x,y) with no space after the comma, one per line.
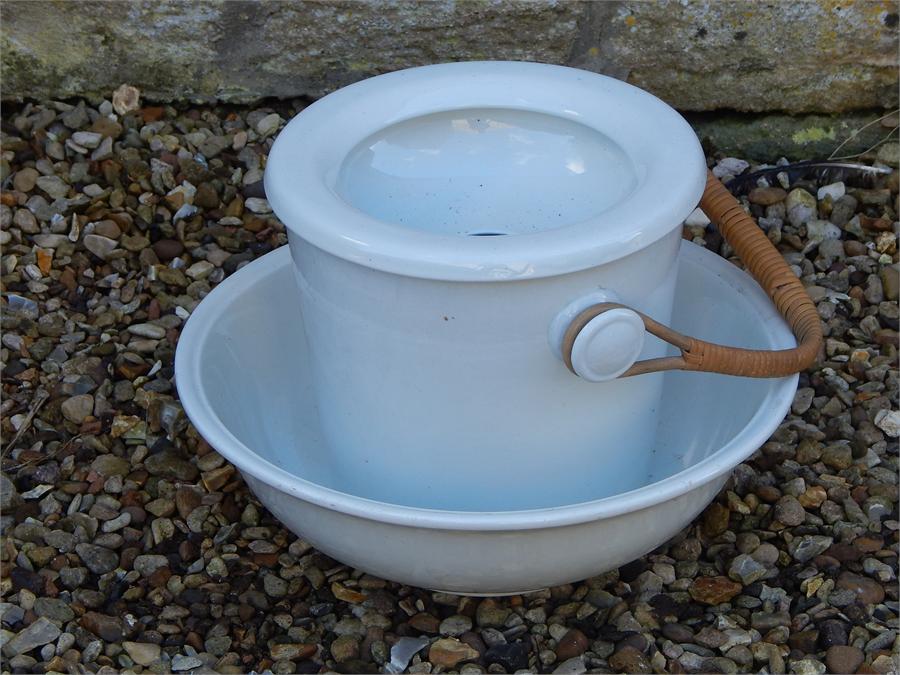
(242,373)
(435,350)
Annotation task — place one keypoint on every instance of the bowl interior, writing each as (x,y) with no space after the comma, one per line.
(486,171)
(253,372)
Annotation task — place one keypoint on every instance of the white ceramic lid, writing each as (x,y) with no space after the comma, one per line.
(398,171)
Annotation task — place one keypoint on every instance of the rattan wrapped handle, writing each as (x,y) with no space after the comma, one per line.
(765,263)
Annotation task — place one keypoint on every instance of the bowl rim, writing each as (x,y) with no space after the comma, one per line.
(762,424)
(304,161)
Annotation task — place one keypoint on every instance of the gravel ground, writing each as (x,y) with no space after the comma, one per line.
(130,544)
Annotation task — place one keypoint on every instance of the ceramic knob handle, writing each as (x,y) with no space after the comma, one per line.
(608,345)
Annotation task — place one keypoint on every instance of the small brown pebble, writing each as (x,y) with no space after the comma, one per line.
(345,648)
(123,527)
(167,249)
(630,660)
(108,628)
(424,623)
(874,224)
(347,595)
(714,590)
(449,652)
(573,643)
(868,544)
(869,591)
(25,179)
(842,659)
(206,197)
(152,114)
(766,196)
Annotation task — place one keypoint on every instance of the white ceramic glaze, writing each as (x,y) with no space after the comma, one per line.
(390,172)
(608,345)
(243,375)
(429,346)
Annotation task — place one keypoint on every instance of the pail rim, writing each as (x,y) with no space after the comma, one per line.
(305,161)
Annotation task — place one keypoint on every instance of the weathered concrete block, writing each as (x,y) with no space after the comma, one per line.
(745,55)
(243,50)
(749,56)
(767,137)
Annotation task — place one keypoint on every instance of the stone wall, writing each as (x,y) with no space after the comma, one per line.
(744,55)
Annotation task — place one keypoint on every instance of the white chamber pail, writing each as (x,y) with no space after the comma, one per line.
(443,222)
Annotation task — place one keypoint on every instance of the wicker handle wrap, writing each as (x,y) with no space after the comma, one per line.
(767,266)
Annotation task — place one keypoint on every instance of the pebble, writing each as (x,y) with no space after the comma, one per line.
(168,249)
(766,554)
(87,139)
(630,660)
(54,186)
(9,496)
(574,666)
(181,663)
(746,569)
(97,559)
(345,648)
(39,633)
(292,651)
(200,270)
(490,614)
(807,547)
(868,591)
(800,207)
(843,659)
(677,632)
(169,465)
(716,519)
(511,657)
(99,245)
(25,179)
(573,643)
(789,511)
(147,564)
(889,422)
(126,99)
(147,330)
(837,457)
(54,609)
(77,408)
(143,653)
(455,625)
(275,586)
(449,652)
(807,667)
(733,166)
(697,219)
(268,125)
(821,230)
(833,190)
(766,196)
(714,590)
